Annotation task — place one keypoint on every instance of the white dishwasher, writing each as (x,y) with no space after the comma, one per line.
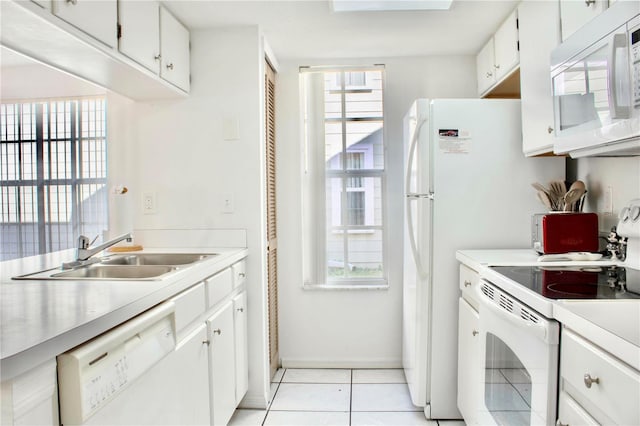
(136,374)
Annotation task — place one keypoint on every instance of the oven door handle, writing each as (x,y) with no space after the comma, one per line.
(538,329)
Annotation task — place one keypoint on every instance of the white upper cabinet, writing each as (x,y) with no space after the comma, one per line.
(505,43)
(484,67)
(140,32)
(98,18)
(539,32)
(174,50)
(574,14)
(500,56)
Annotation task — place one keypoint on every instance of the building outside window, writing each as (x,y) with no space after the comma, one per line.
(53,175)
(344,176)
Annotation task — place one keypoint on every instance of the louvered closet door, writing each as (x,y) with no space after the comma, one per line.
(272,247)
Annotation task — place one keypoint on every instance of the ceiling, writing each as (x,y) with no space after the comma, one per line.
(309,29)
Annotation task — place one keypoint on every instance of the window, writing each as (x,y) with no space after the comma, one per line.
(344,179)
(53,175)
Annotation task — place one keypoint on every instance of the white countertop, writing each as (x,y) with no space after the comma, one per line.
(612,324)
(41,319)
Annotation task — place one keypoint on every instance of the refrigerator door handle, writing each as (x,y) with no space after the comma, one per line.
(412,150)
(414,197)
(412,239)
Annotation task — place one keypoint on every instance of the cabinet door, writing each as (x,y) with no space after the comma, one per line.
(507,56)
(574,14)
(140,32)
(222,374)
(539,33)
(242,356)
(98,18)
(174,49)
(484,68)
(571,413)
(470,380)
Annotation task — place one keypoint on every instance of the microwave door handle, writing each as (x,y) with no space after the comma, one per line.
(617,111)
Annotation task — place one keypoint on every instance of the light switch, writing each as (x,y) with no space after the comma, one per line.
(230,129)
(227,203)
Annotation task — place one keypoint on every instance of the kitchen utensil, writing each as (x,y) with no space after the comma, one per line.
(570,199)
(544,197)
(557,189)
(577,255)
(540,187)
(577,190)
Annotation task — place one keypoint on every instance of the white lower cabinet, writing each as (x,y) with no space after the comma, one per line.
(605,388)
(31,398)
(222,374)
(242,355)
(469,370)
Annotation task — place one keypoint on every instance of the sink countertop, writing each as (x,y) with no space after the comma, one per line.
(612,324)
(44,318)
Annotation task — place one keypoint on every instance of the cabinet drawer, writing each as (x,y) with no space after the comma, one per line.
(239,273)
(614,397)
(218,286)
(190,304)
(468,284)
(571,413)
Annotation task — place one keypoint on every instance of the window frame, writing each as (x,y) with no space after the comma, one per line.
(68,172)
(316,183)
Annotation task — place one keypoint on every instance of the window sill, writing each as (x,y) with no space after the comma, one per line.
(370,285)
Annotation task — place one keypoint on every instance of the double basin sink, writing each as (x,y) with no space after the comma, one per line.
(141,266)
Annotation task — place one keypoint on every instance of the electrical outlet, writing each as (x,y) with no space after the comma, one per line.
(149,203)
(608,201)
(227,203)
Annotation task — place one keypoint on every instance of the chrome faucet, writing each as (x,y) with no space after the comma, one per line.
(84,252)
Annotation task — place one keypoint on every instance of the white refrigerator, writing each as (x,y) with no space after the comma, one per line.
(468,186)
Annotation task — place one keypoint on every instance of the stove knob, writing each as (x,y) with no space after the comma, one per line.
(624,214)
(634,214)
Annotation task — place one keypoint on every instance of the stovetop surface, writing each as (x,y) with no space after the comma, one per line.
(583,282)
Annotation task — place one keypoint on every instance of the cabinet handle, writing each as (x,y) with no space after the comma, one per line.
(588,380)
(242,275)
(467,283)
(475,332)
(157,57)
(206,342)
(217,331)
(489,74)
(497,67)
(73,2)
(589,2)
(170,66)
(559,423)
(549,129)
(240,309)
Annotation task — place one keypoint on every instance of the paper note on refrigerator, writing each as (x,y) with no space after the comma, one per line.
(454,141)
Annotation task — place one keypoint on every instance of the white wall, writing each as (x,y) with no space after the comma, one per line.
(183,159)
(621,174)
(324,328)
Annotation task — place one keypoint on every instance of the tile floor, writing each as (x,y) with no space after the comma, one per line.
(338,397)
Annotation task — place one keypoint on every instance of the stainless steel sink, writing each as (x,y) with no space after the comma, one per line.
(171,259)
(116,272)
(135,267)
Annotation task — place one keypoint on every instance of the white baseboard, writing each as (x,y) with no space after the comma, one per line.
(254,401)
(341,363)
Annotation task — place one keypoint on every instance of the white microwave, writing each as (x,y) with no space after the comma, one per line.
(595,77)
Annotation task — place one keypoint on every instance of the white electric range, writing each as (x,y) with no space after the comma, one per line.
(520,304)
